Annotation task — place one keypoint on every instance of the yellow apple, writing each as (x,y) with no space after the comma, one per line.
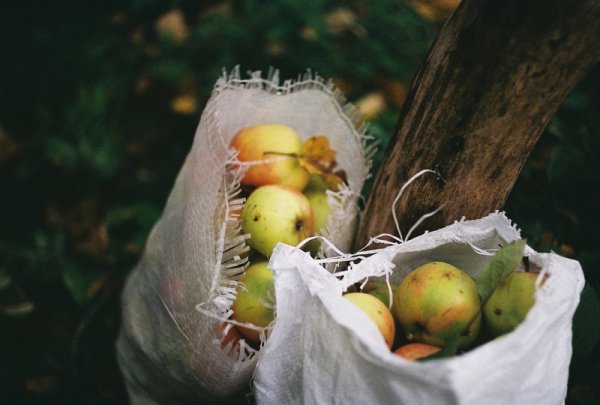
(510,302)
(414,351)
(254,300)
(276,213)
(278,146)
(436,301)
(377,311)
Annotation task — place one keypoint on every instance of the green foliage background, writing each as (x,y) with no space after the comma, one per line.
(98,108)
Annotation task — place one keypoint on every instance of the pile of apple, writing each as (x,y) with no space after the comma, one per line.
(437,305)
(285,189)
(437,301)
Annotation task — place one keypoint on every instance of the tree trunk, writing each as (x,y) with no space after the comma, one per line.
(492,80)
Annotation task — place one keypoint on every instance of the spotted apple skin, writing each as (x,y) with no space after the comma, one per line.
(276,213)
(435,301)
(510,302)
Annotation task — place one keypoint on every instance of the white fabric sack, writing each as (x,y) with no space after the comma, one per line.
(177,298)
(317,354)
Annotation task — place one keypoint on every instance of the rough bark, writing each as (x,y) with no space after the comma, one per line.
(492,80)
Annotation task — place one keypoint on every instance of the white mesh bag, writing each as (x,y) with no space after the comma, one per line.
(317,354)
(177,297)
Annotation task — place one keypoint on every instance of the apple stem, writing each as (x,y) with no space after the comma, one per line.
(295,155)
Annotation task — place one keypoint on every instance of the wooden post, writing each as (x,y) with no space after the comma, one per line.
(492,80)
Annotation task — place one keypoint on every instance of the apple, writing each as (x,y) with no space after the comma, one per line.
(414,351)
(437,300)
(321,210)
(276,213)
(510,302)
(254,300)
(377,311)
(380,290)
(316,182)
(275,142)
(231,338)
(320,206)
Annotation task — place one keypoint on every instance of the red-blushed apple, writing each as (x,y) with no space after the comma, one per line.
(377,312)
(254,300)
(414,351)
(510,302)
(279,147)
(276,213)
(436,301)
(231,338)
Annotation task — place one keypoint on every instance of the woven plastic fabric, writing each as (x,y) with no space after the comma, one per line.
(321,350)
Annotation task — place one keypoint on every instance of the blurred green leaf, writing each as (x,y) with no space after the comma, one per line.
(81,283)
(567,163)
(576,101)
(170,70)
(450,348)
(503,262)
(586,323)
(60,151)
(145,214)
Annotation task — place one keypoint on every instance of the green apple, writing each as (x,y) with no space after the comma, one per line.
(380,290)
(254,299)
(377,312)
(436,301)
(275,142)
(510,302)
(321,210)
(276,213)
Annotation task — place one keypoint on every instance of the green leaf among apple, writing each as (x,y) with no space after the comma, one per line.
(502,263)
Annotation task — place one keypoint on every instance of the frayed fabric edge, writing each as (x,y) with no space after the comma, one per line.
(307,81)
